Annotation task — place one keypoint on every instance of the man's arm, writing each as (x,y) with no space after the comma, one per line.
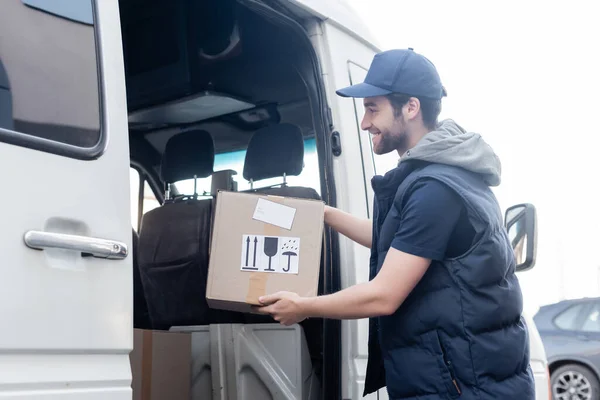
(424,234)
(357,229)
(381,296)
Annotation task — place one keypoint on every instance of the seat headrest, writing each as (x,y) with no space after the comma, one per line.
(187,154)
(274,151)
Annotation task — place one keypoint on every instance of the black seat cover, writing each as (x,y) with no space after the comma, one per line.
(174,239)
(275,151)
(187,154)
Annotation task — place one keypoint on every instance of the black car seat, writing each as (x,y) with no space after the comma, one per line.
(278,151)
(174,239)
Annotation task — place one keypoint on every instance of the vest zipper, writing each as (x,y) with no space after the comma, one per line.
(450,368)
(456,386)
(451,371)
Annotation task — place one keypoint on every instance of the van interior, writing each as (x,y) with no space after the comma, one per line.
(222,95)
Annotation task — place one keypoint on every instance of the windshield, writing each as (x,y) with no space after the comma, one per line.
(235,160)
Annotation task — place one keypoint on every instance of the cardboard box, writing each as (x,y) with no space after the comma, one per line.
(263,244)
(161,365)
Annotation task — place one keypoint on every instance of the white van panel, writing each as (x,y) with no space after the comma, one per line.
(343,15)
(65,377)
(337,50)
(70,394)
(539,363)
(66,319)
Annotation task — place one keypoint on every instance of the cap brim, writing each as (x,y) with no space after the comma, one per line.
(362,90)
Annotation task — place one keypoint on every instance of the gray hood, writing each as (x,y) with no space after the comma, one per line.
(450,144)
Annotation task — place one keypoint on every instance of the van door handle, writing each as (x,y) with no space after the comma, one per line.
(88,246)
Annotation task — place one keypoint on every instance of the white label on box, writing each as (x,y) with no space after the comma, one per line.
(274,214)
(275,254)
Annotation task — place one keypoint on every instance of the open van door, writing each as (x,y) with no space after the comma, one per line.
(65,232)
(345,61)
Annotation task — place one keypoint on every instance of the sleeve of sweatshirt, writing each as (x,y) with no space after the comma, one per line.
(428,218)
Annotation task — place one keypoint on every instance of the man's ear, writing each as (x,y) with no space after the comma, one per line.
(413,107)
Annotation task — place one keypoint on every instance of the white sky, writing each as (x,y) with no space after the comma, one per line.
(524,74)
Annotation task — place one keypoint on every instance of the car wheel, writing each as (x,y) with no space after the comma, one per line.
(574,382)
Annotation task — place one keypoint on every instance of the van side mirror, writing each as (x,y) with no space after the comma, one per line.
(521,224)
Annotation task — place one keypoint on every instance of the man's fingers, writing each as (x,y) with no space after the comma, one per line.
(256,309)
(263,310)
(269,299)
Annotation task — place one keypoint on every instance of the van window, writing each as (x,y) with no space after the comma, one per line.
(235,160)
(51,70)
(145,197)
(76,10)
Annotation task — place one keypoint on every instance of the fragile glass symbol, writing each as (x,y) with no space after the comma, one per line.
(270,249)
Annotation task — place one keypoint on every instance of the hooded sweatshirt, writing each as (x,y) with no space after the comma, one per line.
(450,144)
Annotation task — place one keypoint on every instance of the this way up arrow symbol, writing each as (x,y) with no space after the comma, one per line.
(255,243)
(247,249)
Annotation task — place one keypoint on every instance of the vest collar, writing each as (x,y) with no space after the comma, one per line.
(387,185)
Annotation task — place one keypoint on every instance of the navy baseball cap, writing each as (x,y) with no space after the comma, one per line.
(398,71)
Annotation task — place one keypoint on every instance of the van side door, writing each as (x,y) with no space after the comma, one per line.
(65,232)
(344,61)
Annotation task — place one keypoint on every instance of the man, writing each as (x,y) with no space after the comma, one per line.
(444,302)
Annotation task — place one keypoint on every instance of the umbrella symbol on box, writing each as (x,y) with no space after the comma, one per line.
(290,249)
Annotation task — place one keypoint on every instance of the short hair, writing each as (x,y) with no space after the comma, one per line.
(430,108)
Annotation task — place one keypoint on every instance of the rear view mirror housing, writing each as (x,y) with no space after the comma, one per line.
(521,224)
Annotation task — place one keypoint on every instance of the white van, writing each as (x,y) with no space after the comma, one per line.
(90,93)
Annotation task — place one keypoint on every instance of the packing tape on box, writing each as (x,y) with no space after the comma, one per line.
(146,364)
(257,286)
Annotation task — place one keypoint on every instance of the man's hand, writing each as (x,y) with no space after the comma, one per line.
(284,307)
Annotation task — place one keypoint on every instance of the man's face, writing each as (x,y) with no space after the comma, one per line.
(388,132)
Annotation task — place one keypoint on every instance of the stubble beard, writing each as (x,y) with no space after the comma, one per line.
(392,141)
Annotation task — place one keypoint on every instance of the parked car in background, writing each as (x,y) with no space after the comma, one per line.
(570,331)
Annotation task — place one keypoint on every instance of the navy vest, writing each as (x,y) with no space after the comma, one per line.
(459,334)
